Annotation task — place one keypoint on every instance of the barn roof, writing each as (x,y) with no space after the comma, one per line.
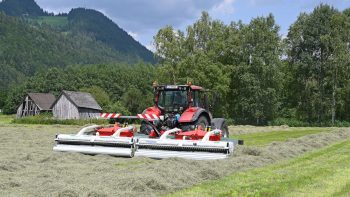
(43,100)
(82,99)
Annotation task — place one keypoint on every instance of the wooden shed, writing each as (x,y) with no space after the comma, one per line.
(75,105)
(35,103)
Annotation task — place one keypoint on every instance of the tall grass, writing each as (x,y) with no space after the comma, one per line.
(47,119)
(6,119)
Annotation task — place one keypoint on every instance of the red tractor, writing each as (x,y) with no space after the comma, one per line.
(181,106)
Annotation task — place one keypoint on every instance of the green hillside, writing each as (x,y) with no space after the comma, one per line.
(105,30)
(25,49)
(21,8)
(37,40)
(56,21)
(81,21)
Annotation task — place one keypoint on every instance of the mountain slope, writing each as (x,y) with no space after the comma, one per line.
(21,8)
(34,40)
(105,30)
(25,49)
(81,21)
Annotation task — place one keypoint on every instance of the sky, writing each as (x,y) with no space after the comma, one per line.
(143,18)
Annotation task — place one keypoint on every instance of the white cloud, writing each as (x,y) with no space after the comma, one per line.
(133,34)
(151,47)
(143,18)
(224,7)
(137,15)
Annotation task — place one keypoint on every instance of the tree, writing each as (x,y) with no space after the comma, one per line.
(256,80)
(169,46)
(117,107)
(106,82)
(318,53)
(14,98)
(136,101)
(2,98)
(194,56)
(99,94)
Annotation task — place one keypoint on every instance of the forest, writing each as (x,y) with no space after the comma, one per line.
(262,77)
(33,40)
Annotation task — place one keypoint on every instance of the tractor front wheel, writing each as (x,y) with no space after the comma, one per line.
(201,122)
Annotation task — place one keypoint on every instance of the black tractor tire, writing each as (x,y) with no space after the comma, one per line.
(220,123)
(202,121)
(145,128)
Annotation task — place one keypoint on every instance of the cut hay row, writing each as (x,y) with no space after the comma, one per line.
(265,138)
(248,129)
(322,172)
(28,166)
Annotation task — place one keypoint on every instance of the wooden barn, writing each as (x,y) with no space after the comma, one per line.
(35,103)
(75,105)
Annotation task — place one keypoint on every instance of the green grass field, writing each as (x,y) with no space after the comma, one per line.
(324,172)
(264,138)
(52,20)
(6,119)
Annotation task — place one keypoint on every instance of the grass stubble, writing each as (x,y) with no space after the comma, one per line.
(29,167)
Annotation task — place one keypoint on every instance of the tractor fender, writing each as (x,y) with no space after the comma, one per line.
(193,113)
(152,110)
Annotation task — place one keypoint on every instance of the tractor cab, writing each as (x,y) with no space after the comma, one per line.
(178,98)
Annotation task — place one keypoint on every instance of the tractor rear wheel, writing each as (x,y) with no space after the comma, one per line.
(220,123)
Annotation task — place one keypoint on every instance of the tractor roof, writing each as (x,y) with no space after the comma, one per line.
(175,87)
(194,87)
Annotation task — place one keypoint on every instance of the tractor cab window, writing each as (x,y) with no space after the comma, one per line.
(196,99)
(200,99)
(171,99)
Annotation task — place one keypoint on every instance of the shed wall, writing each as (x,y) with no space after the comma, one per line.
(65,109)
(27,108)
(88,113)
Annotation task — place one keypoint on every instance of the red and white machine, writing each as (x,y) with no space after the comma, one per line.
(178,125)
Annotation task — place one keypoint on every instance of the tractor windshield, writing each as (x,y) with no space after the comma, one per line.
(172,99)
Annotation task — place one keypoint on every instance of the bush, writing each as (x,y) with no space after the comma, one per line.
(117,107)
(47,119)
(230,122)
(341,124)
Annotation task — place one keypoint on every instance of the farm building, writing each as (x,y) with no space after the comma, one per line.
(75,105)
(35,103)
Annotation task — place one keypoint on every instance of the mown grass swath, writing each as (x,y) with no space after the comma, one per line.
(323,172)
(265,138)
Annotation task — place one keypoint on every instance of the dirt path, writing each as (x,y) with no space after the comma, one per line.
(29,167)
